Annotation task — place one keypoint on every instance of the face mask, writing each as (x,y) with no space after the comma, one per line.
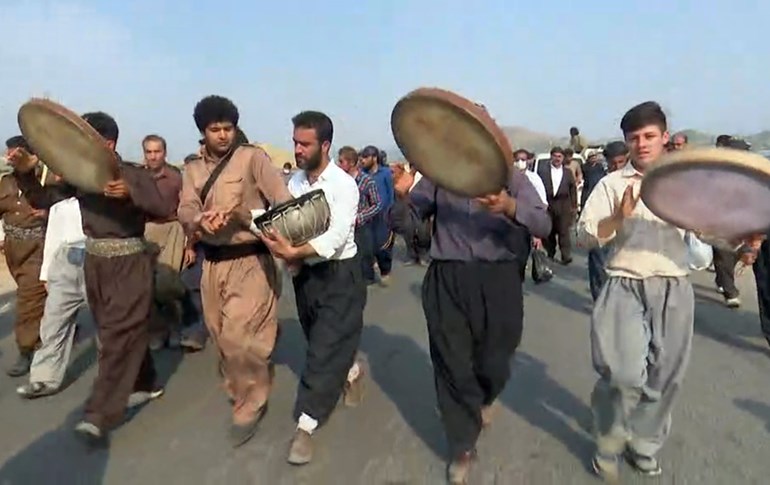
(520,164)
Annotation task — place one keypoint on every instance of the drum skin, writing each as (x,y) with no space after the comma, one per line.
(298,220)
(719,193)
(452,141)
(68,145)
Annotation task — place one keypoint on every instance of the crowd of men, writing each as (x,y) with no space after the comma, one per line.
(169,257)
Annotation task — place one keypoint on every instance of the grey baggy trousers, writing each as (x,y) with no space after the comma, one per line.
(641,336)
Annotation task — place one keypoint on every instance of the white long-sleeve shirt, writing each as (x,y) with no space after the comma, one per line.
(341,192)
(65,226)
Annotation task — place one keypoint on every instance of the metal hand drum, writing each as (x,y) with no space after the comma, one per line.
(452,141)
(298,220)
(68,145)
(721,194)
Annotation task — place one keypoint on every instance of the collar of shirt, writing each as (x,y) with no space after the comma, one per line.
(629,171)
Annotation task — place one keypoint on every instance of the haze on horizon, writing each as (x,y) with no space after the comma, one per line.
(545,66)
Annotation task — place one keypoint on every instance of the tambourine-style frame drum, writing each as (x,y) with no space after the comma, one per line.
(68,145)
(452,141)
(298,220)
(723,195)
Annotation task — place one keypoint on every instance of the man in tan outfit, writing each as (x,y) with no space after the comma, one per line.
(222,190)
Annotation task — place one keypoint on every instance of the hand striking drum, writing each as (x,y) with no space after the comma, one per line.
(220,191)
(115,199)
(484,214)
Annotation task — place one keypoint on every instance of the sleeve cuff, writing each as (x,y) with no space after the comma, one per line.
(323,250)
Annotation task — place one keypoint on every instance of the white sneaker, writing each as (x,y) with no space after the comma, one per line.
(140,397)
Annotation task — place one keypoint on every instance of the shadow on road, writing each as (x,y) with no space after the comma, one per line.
(56,457)
(756,408)
(403,371)
(544,403)
(724,325)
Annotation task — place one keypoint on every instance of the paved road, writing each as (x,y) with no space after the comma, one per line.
(720,432)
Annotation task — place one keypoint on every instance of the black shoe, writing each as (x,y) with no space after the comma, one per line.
(22,365)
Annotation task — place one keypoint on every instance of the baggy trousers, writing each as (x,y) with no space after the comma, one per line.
(641,336)
(66,296)
(24,258)
(331,297)
(240,308)
(762,278)
(365,243)
(120,295)
(474,312)
(724,271)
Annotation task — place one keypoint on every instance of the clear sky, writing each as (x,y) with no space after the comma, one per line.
(545,65)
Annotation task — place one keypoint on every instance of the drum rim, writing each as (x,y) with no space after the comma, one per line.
(736,161)
(67,115)
(268,216)
(467,108)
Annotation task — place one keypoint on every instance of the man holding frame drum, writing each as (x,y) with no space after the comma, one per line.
(118,271)
(642,323)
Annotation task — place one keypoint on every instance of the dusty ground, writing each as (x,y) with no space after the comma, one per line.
(720,433)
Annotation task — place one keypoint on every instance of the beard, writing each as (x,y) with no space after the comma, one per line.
(311,163)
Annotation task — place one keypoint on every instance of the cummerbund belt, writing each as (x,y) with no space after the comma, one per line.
(113,248)
(24,233)
(215,254)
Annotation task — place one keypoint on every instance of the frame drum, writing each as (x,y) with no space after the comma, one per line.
(452,141)
(68,145)
(719,193)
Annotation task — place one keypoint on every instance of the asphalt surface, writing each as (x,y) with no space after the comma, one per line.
(540,434)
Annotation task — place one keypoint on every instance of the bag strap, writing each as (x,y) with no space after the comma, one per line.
(215,175)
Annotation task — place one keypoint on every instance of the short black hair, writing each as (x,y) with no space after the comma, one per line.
(215,109)
(154,137)
(641,115)
(614,149)
(521,150)
(738,144)
(104,124)
(189,158)
(683,135)
(18,141)
(322,124)
(557,150)
(574,131)
(287,165)
(723,140)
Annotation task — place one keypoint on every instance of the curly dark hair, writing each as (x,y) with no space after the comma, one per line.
(104,124)
(214,109)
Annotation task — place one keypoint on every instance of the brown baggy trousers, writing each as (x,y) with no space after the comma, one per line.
(240,307)
(120,294)
(24,258)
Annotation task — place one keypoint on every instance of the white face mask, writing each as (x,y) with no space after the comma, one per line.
(520,164)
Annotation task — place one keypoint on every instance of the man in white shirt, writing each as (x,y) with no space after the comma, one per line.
(642,324)
(328,284)
(62,272)
(561,192)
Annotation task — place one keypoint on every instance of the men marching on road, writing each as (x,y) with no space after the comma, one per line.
(62,273)
(222,190)
(373,163)
(472,299)
(561,190)
(328,285)
(119,281)
(24,227)
(369,207)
